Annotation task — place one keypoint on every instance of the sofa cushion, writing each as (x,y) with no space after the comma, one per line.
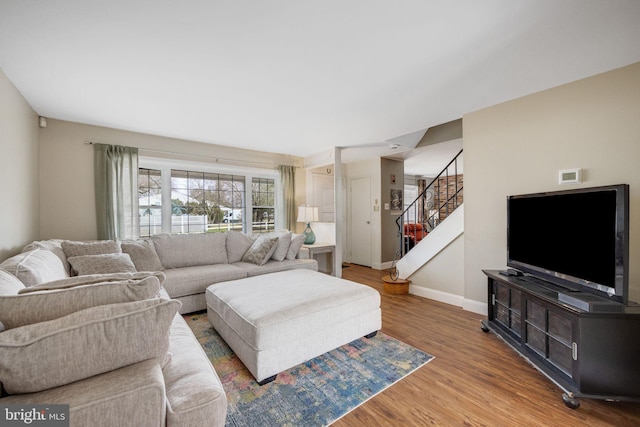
(238,244)
(35,267)
(185,281)
(34,307)
(130,396)
(9,284)
(272,266)
(143,254)
(187,250)
(297,240)
(86,343)
(102,264)
(195,395)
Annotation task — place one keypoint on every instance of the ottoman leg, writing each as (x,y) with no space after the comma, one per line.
(267,380)
(371,335)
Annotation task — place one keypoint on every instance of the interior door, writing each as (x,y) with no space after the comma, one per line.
(359,230)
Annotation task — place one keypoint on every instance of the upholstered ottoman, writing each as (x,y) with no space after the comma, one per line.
(279,320)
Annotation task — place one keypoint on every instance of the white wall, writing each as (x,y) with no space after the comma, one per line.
(19,213)
(442,278)
(67,201)
(519,146)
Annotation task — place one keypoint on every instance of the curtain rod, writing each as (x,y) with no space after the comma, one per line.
(217,159)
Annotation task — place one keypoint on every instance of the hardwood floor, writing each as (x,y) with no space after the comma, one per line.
(475,379)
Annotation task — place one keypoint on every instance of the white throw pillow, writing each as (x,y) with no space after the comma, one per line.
(83,344)
(9,284)
(53,245)
(35,267)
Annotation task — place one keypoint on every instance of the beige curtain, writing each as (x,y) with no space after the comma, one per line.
(116,185)
(287,178)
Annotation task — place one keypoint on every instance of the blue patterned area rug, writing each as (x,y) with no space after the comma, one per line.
(315,393)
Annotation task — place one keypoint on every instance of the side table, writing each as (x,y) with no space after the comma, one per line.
(323,248)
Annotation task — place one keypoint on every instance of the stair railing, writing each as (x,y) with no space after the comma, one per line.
(428,210)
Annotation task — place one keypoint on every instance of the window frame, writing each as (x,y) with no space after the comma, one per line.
(166,165)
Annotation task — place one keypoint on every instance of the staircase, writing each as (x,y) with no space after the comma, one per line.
(420,235)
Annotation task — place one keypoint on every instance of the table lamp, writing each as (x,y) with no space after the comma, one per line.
(308,214)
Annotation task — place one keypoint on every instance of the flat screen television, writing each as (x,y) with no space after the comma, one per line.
(578,238)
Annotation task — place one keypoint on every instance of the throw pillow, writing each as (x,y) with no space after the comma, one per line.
(102,264)
(261,250)
(34,307)
(91,279)
(83,344)
(297,240)
(9,284)
(282,247)
(53,245)
(35,267)
(93,247)
(143,254)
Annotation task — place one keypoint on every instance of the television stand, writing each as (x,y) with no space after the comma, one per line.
(551,286)
(590,354)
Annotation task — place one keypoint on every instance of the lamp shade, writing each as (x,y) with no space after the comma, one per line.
(308,214)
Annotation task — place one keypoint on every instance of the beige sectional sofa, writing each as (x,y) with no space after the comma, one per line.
(95,325)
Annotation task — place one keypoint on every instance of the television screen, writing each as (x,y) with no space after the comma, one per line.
(576,238)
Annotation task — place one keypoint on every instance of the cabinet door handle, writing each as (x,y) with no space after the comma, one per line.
(574,350)
(493,299)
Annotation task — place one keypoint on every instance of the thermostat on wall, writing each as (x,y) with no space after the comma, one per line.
(569,176)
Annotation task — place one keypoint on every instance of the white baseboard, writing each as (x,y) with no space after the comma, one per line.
(382,265)
(475,307)
(447,298)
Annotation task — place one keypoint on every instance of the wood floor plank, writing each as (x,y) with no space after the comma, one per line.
(475,380)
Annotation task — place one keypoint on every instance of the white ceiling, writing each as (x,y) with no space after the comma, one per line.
(296,76)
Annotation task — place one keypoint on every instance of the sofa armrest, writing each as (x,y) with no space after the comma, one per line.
(132,395)
(303,253)
(195,396)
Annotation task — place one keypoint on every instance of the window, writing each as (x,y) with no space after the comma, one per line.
(202,202)
(150,201)
(410,195)
(263,202)
(175,197)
